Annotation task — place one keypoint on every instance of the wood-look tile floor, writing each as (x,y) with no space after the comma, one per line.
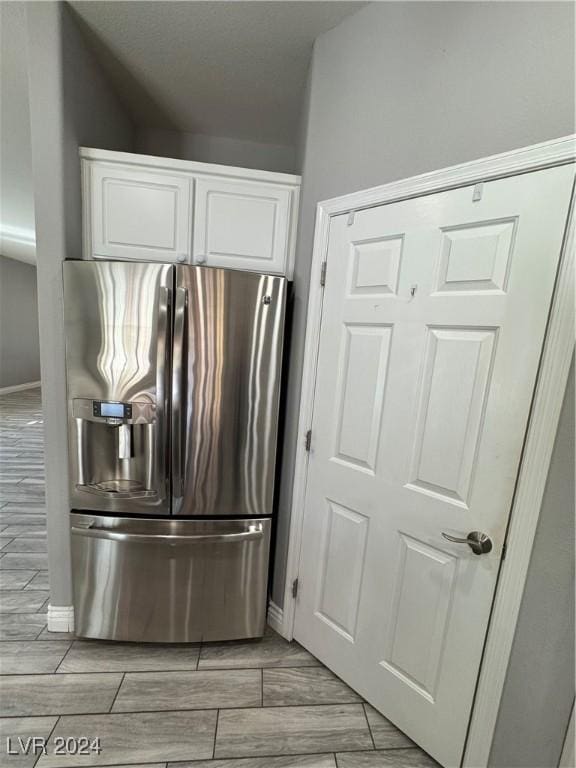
(254,704)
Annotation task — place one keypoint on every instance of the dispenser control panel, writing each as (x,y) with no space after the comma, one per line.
(113,412)
(109,410)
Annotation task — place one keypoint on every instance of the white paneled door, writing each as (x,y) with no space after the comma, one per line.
(434,317)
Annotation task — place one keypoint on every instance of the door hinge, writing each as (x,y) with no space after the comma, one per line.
(295,589)
(308,440)
(323,273)
(504,548)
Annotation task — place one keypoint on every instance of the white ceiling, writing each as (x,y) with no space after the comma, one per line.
(234,69)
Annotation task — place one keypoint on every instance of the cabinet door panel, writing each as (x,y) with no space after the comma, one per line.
(138,214)
(242,225)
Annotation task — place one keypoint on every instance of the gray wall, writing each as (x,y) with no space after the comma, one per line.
(217,149)
(19,346)
(404,88)
(539,688)
(71,105)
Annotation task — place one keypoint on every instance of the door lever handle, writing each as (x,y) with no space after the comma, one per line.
(478,542)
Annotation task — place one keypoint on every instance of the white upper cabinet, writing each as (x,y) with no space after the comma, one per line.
(157,209)
(242,224)
(137,214)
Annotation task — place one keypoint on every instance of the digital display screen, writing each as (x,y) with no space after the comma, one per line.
(104,409)
(112,409)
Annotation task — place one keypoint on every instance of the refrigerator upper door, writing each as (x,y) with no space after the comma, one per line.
(227,359)
(118,333)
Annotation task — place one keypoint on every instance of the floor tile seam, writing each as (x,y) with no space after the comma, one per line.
(9,590)
(38,611)
(45,605)
(281,754)
(23,551)
(215,734)
(117,692)
(386,749)
(263,666)
(48,739)
(109,712)
(58,675)
(176,763)
(70,644)
(17,591)
(368,724)
(155,671)
(122,671)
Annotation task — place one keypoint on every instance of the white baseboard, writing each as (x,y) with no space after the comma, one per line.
(60,618)
(276,618)
(18,387)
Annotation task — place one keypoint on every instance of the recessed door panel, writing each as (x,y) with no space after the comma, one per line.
(376,266)
(361,387)
(341,567)
(476,257)
(454,390)
(419,621)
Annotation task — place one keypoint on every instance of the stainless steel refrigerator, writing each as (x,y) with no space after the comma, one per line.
(173,375)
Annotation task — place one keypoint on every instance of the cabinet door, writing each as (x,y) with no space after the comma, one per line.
(242,225)
(137,214)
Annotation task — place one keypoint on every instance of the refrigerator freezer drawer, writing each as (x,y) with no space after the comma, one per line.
(169,581)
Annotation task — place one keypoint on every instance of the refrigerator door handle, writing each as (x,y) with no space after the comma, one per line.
(113,490)
(180,305)
(159,477)
(254,532)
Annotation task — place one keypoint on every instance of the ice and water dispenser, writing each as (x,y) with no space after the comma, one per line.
(115,448)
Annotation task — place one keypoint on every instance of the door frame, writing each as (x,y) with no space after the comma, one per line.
(541,430)
(568,750)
